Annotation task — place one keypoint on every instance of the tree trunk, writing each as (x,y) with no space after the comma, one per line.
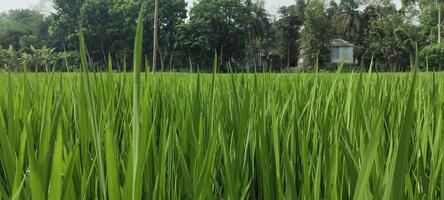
(155,39)
(439,23)
(221,56)
(171,59)
(162,56)
(288,56)
(256,52)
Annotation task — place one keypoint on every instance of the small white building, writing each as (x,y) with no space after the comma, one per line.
(341,52)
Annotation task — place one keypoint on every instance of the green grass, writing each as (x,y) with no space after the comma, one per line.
(220,136)
(203,136)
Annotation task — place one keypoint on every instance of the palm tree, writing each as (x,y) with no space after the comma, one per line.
(347,19)
(258,27)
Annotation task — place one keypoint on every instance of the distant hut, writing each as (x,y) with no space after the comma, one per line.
(341,52)
(304,60)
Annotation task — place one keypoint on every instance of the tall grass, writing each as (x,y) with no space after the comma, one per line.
(332,136)
(220,136)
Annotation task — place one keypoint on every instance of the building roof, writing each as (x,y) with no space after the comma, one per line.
(340,43)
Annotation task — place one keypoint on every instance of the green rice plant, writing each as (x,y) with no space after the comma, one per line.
(222,136)
(94,135)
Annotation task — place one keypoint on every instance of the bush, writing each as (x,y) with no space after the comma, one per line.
(38,60)
(68,60)
(434,56)
(8,57)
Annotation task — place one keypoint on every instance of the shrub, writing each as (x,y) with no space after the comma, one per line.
(8,57)
(38,60)
(434,56)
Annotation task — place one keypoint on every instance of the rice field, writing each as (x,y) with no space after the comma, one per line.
(220,136)
(203,136)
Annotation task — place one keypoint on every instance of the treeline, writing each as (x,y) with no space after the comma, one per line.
(242,32)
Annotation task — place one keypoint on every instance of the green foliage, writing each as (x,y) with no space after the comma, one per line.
(245,136)
(109,26)
(64,31)
(38,60)
(245,36)
(260,35)
(429,20)
(347,20)
(7,57)
(392,41)
(22,28)
(316,32)
(172,14)
(221,25)
(433,55)
(215,136)
(289,25)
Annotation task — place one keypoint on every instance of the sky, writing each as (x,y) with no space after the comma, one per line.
(43,5)
(271,5)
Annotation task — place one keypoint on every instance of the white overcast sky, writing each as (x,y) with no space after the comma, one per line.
(5,5)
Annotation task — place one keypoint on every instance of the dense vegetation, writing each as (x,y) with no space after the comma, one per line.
(93,135)
(242,32)
(268,136)
(220,136)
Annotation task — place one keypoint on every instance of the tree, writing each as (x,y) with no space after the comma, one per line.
(23,28)
(347,20)
(96,20)
(433,55)
(392,41)
(221,25)
(289,25)
(8,57)
(171,14)
(197,42)
(123,15)
(108,26)
(316,32)
(428,7)
(372,12)
(64,31)
(259,28)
